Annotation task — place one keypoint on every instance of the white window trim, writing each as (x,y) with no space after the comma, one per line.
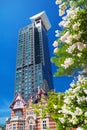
(12,125)
(21,124)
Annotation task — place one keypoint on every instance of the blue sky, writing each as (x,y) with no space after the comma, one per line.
(14,14)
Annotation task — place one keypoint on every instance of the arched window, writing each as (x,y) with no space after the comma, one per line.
(31,126)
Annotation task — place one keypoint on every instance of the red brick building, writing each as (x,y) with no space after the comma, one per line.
(23,116)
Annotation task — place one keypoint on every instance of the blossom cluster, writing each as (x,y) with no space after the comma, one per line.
(70,50)
(75,102)
(67,62)
(71,46)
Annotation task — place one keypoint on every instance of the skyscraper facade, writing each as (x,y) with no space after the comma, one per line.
(33,67)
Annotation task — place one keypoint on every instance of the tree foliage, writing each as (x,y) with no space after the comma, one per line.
(70,56)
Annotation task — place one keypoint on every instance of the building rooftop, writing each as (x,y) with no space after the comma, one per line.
(44,19)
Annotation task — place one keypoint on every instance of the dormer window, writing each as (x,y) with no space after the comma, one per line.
(18,113)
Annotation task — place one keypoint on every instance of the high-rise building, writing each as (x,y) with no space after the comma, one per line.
(33,67)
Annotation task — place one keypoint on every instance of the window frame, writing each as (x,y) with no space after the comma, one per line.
(44,124)
(13,126)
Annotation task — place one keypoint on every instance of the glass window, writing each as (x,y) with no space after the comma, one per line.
(21,127)
(18,113)
(44,124)
(31,127)
(25,92)
(9,127)
(18,102)
(14,127)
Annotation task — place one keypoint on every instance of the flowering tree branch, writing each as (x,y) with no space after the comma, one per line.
(71,47)
(70,55)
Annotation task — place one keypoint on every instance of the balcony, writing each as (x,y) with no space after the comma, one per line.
(17,118)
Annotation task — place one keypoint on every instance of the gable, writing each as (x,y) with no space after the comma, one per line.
(18,102)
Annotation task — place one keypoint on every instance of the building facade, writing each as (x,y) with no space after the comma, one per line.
(23,116)
(33,68)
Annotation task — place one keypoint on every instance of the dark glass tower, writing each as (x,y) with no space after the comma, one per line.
(33,68)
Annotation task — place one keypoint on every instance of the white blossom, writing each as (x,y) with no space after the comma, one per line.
(57,33)
(69,39)
(62,120)
(71,48)
(61,23)
(85,91)
(62,6)
(79,54)
(55,44)
(78,111)
(65,18)
(77,89)
(66,37)
(80,46)
(74,120)
(58,2)
(63,38)
(86,99)
(85,114)
(76,26)
(59,111)
(81,78)
(72,84)
(67,34)
(85,45)
(85,121)
(67,101)
(72,12)
(55,106)
(67,63)
(77,36)
(67,24)
(61,12)
(55,50)
(71,4)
